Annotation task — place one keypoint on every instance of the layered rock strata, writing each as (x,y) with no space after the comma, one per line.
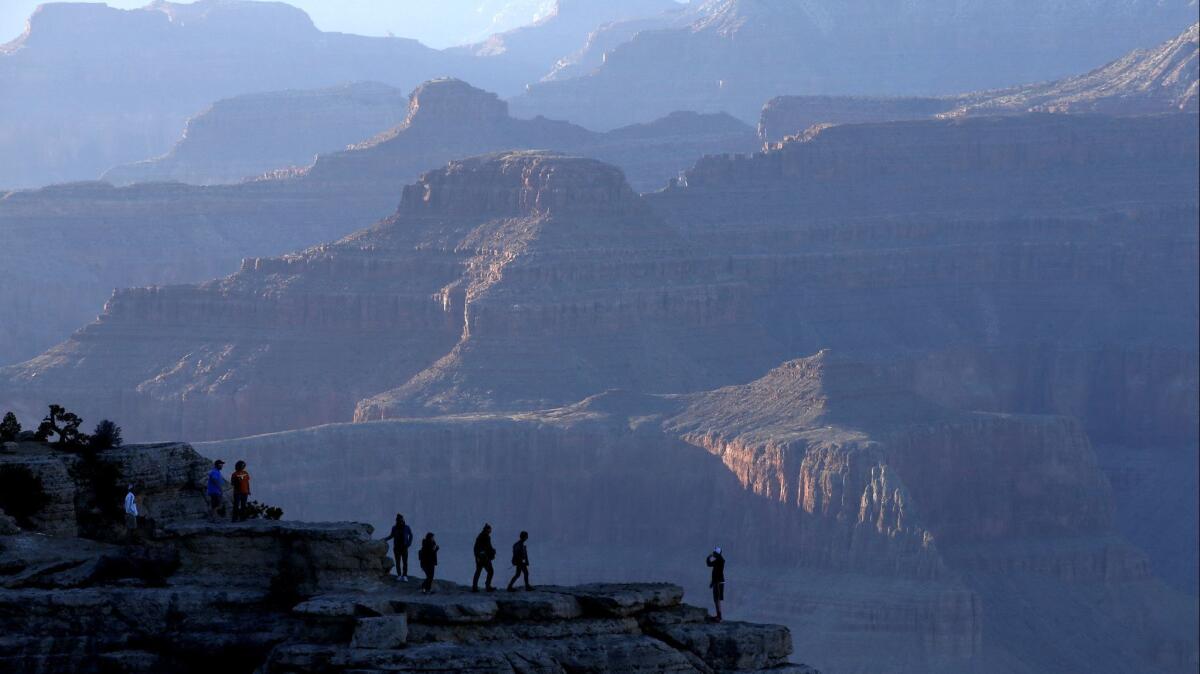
(871,520)
(146,234)
(733,55)
(298,597)
(1145,81)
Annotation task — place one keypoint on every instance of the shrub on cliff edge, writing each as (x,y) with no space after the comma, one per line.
(63,424)
(10,428)
(106,436)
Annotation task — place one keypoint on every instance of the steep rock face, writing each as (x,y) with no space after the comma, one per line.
(291,341)
(237,138)
(1145,81)
(186,234)
(869,517)
(734,54)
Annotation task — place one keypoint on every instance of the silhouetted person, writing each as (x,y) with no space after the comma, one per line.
(402,537)
(241,490)
(427,557)
(717,562)
(520,559)
(484,554)
(213,489)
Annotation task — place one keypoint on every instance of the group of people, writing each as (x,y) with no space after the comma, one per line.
(401,536)
(240,480)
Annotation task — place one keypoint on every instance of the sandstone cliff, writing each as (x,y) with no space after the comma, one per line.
(187,595)
(147,234)
(1145,81)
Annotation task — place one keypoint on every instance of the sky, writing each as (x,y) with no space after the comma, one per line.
(437,23)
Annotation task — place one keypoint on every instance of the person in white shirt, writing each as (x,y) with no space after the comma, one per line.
(131,510)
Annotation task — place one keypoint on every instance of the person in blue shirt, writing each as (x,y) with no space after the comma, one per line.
(215,483)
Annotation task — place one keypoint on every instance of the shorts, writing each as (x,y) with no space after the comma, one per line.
(214,501)
(718,591)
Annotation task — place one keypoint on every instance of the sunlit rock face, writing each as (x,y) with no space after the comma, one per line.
(158,234)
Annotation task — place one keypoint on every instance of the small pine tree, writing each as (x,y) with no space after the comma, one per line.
(65,425)
(106,436)
(10,428)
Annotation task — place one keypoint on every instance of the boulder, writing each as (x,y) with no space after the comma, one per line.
(383,632)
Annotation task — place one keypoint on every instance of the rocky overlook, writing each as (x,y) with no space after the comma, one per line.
(1145,81)
(733,55)
(79,595)
(188,234)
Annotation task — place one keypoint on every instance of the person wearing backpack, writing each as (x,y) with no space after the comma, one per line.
(401,537)
(484,554)
(213,489)
(241,490)
(427,557)
(520,559)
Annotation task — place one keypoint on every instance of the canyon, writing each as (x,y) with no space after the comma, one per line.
(109,237)
(731,55)
(1146,81)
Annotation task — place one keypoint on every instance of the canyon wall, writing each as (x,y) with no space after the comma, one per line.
(870,520)
(155,234)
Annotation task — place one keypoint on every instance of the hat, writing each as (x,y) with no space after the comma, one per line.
(717,550)
(218,462)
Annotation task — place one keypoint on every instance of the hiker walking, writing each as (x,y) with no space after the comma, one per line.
(717,562)
(213,489)
(402,536)
(241,490)
(131,510)
(520,559)
(427,557)
(484,554)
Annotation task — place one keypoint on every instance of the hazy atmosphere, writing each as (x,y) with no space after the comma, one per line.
(507,336)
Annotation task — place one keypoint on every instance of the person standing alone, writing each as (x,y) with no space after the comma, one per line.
(401,537)
(241,490)
(131,511)
(213,489)
(717,562)
(484,554)
(520,559)
(427,557)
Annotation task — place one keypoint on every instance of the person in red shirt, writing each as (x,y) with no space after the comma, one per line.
(241,490)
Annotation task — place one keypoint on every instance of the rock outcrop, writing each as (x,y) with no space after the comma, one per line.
(1145,81)
(247,136)
(159,234)
(732,55)
(191,595)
